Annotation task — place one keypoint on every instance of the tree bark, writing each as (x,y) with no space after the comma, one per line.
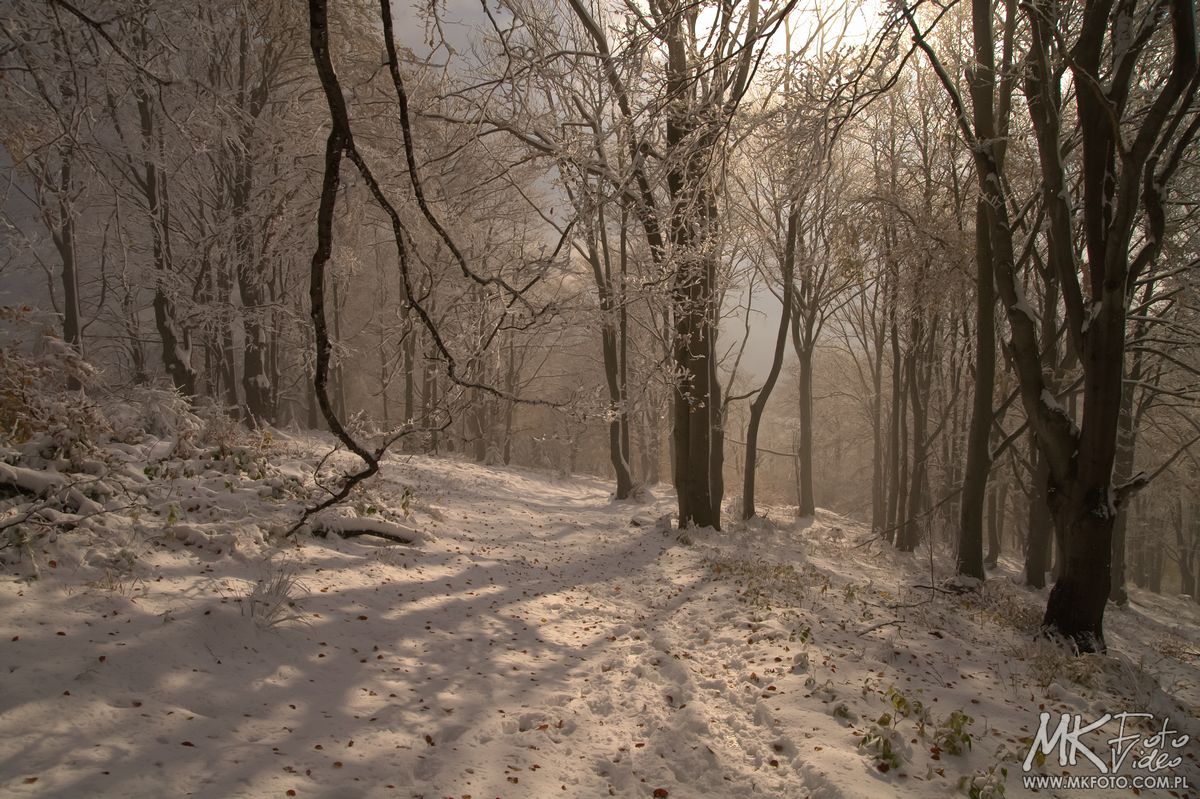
(979,458)
(176,341)
(759,405)
(995,510)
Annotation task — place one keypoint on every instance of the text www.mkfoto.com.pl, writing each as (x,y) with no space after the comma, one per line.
(1067,782)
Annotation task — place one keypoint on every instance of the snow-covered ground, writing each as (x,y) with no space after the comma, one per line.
(536,640)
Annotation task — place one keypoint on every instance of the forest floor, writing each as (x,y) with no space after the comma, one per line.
(535,640)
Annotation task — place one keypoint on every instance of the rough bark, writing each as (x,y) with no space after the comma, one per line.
(975,478)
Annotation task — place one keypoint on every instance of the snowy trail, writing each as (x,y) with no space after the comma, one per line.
(542,641)
(538,646)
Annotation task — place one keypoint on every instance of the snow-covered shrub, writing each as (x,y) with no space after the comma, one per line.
(221,431)
(950,735)
(160,413)
(986,784)
(885,746)
(120,574)
(1010,606)
(39,411)
(276,596)
(1050,660)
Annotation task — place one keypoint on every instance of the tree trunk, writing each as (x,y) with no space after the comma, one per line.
(1122,471)
(895,431)
(759,405)
(1186,546)
(994,512)
(64,242)
(410,357)
(878,446)
(979,457)
(909,534)
(808,504)
(1075,609)
(696,433)
(1037,549)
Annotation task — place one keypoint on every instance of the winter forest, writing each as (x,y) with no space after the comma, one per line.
(647,398)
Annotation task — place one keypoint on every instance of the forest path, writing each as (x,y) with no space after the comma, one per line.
(541,641)
(605,657)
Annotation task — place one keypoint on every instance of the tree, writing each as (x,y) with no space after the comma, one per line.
(1132,70)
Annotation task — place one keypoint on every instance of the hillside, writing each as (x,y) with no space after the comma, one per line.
(534,639)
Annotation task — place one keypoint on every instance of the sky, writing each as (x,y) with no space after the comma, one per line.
(463,22)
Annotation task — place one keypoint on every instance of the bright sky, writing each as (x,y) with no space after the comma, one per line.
(463,22)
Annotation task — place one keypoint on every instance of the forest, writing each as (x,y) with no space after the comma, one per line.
(742,340)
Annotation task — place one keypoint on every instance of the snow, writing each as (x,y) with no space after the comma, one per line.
(1049,400)
(541,641)
(1022,306)
(35,481)
(346,525)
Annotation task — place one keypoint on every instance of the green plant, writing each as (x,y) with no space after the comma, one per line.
(908,708)
(951,736)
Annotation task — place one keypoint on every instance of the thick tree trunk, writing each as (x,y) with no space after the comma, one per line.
(1122,471)
(1075,609)
(694,424)
(979,458)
